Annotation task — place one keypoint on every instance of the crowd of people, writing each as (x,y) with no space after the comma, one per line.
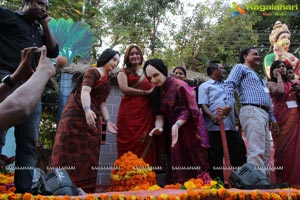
(161,118)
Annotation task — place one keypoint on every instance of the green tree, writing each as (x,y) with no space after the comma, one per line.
(210,33)
(137,21)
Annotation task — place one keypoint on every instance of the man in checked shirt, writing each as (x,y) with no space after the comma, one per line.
(256,113)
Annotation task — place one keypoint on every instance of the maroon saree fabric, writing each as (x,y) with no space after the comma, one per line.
(287,143)
(77,146)
(135,120)
(188,158)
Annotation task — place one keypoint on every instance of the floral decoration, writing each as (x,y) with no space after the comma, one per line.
(6,182)
(131,173)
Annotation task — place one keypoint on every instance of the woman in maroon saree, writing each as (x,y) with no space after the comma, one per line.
(78,138)
(285,97)
(135,116)
(188,141)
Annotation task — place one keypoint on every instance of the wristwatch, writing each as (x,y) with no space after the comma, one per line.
(7,80)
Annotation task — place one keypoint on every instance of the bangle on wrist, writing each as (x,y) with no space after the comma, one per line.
(107,120)
(178,124)
(85,108)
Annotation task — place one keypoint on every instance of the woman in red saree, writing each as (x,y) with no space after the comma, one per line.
(78,138)
(284,94)
(187,136)
(135,116)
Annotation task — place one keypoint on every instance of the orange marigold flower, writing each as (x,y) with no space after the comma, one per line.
(293,195)
(12,189)
(183,196)
(172,197)
(39,197)
(242,195)
(202,194)
(103,196)
(253,195)
(222,192)
(265,196)
(133,174)
(2,189)
(27,196)
(275,196)
(231,196)
(193,194)
(90,197)
(138,197)
(12,196)
(115,196)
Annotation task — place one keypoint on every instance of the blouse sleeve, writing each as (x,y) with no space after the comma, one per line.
(91,75)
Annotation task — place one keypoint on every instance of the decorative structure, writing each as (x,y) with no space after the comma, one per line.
(75,40)
(280,40)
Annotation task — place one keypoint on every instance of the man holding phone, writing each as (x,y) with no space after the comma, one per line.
(18,30)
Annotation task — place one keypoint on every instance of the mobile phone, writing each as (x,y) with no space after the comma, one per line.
(35,56)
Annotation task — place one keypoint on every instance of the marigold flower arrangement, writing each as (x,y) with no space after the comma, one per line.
(131,173)
(191,189)
(6,182)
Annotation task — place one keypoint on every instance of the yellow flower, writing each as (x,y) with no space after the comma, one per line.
(163,197)
(133,197)
(152,197)
(154,187)
(214,191)
(213,183)
(189,185)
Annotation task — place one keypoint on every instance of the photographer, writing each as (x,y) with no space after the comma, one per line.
(18,30)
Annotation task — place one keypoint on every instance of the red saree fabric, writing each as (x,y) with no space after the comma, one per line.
(135,120)
(188,158)
(77,146)
(287,143)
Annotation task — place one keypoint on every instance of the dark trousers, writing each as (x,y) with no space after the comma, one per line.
(236,148)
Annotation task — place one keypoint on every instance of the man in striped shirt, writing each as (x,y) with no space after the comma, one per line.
(255,113)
